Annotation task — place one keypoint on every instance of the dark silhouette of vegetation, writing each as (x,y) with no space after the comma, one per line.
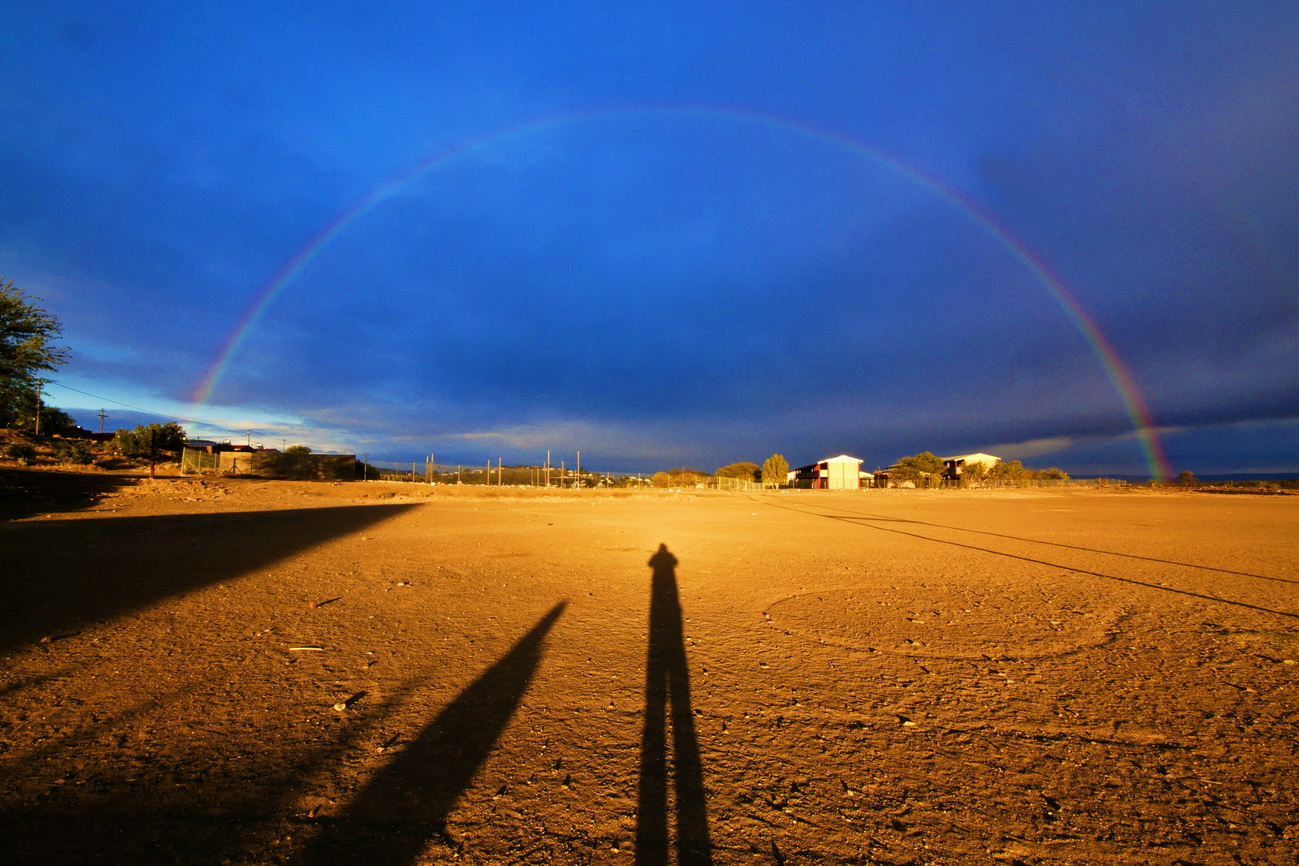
(23,453)
(74,451)
(53,421)
(139,441)
(27,335)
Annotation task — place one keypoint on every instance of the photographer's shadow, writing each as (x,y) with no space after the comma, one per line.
(667,696)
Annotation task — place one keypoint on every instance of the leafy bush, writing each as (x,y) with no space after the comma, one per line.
(74,451)
(681,476)
(135,443)
(915,467)
(22,452)
(748,471)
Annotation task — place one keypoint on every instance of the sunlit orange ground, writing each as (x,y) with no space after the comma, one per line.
(810,677)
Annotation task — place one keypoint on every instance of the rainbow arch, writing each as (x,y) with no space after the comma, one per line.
(1134,404)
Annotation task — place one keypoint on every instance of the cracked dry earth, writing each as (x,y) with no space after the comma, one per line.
(251,672)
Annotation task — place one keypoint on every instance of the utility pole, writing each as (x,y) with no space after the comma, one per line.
(250,438)
(102,416)
(579,469)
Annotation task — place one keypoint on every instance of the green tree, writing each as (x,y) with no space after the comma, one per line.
(917,467)
(1187,479)
(136,443)
(52,420)
(973,474)
(775,470)
(739,470)
(74,451)
(297,450)
(27,335)
(1053,473)
(1008,474)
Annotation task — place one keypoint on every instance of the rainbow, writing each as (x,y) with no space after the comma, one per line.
(1134,404)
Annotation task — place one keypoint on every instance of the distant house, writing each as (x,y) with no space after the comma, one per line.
(78,432)
(955,466)
(833,473)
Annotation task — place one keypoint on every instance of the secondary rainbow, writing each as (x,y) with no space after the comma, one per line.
(1117,372)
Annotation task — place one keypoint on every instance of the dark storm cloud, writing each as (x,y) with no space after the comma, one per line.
(701,286)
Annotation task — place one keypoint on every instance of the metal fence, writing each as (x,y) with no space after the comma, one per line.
(198,461)
(491,474)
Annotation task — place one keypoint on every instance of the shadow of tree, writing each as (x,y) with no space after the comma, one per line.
(667,695)
(407,803)
(25,492)
(60,574)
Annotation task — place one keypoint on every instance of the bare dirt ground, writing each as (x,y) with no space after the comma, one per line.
(253,672)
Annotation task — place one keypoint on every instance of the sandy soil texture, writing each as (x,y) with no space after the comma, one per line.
(208,672)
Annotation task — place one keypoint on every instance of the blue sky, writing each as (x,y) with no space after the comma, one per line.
(669,234)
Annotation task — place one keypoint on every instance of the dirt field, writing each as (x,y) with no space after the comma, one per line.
(250,672)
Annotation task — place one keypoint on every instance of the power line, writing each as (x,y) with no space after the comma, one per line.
(145,411)
(123,405)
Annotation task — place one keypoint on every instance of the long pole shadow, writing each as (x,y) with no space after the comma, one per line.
(667,695)
(407,803)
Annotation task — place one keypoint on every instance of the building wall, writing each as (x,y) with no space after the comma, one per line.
(271,463)
(842,475)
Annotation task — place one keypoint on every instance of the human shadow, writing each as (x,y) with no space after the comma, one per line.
(667,695)
(58,575)
(391,820)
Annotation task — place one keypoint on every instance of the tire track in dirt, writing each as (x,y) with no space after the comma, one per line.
(873,522)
